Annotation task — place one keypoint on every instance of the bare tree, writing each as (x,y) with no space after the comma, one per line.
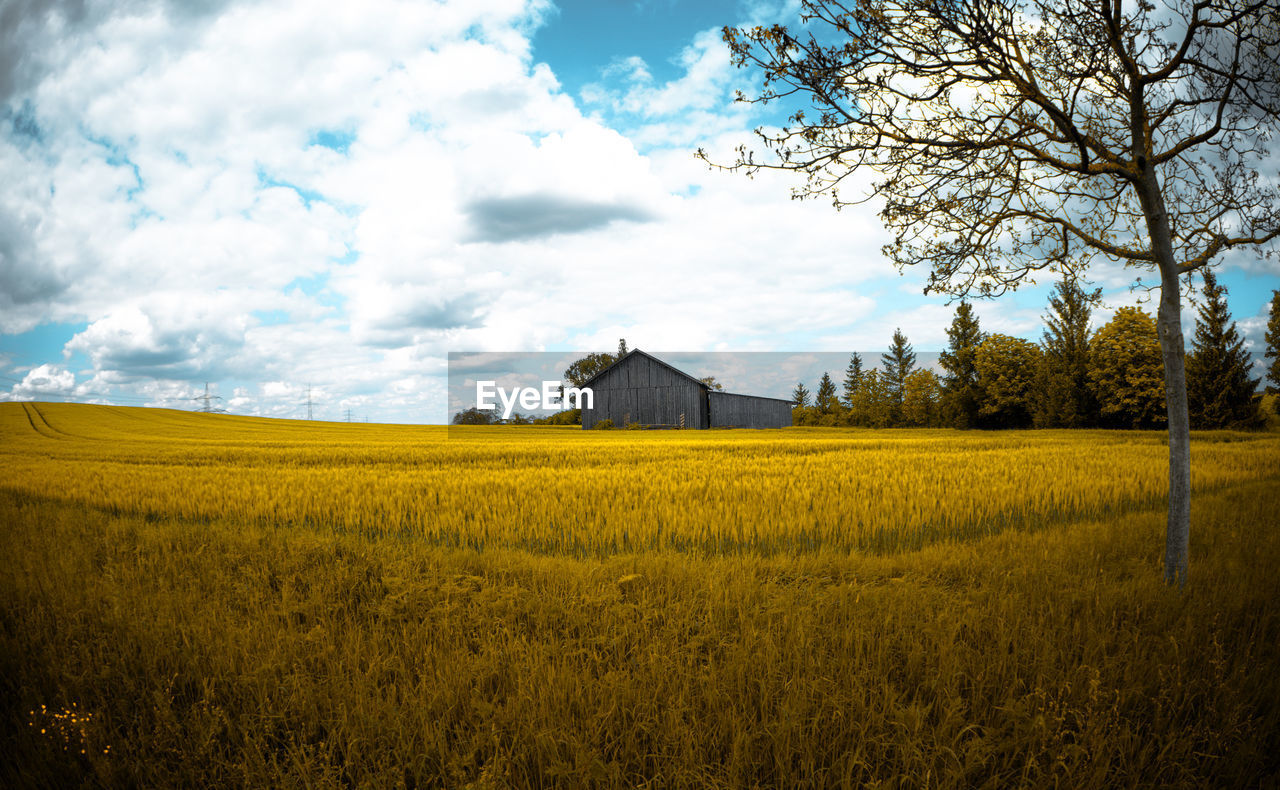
(1008,137)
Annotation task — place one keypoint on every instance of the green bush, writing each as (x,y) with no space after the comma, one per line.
(604,425)
(566,417)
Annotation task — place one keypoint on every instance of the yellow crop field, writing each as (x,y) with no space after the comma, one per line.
(210,600)
(563,490)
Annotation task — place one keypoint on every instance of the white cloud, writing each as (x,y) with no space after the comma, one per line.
(280,192)
(43,381)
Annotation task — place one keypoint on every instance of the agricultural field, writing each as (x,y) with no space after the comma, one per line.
(206,600)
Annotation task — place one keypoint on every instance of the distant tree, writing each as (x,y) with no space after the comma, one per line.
(805,415)
(896,366)
(800,396)
(852,377)
(566,417)
(583,369)
(996,133)
(622,348)
(872,406)
(477,416)
(1273,345)
(1220,392)
(920,400)
(826,397)
(711,383)
(1126,373)
(1063,398)
(960,392)
(1007,370)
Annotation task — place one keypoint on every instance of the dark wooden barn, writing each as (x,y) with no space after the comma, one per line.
(640,388)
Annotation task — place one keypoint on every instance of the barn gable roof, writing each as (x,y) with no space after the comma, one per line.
(650,357)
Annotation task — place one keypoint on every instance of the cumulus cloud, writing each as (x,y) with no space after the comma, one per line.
(169,340)
(44,381)
(274,192)
(385,184)
(24,277)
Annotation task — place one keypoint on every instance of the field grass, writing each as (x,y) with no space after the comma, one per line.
(231,601)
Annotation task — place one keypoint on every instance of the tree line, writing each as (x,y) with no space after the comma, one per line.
(1074,377)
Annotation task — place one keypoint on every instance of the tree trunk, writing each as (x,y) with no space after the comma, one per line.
(1178,530)
(1169,326)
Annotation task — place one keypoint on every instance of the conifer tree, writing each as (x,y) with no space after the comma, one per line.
(1273,346)
(897,365)
(1219,390)
(852,378)
(960,392)
(800,396)
(826,397)
(1064,399)
(622,348)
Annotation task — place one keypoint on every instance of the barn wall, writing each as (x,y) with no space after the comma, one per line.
(648,393)
(748,411)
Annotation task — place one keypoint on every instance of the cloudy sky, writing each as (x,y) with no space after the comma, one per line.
(270,195)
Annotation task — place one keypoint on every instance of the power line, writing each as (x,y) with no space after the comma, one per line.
(206,402)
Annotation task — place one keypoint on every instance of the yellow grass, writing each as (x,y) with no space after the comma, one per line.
(564,490)
(233,601)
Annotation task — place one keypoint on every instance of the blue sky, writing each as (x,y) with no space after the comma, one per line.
(267,196)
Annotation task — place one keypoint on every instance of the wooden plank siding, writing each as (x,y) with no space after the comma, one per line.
(645,390)
(730,410)
(642,390)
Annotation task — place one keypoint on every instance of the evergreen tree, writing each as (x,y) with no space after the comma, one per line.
(1219,390)
(1126,371)
(1063,398)
(622,348)
(1273,345)
(852,377)
(800,396)
(897,365)
(826,397)
(960,393)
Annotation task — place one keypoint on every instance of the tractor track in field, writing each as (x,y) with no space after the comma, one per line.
(37,420)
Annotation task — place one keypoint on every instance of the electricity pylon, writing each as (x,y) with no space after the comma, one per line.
(206,402)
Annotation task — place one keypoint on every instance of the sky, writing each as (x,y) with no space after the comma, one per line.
(266,197)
